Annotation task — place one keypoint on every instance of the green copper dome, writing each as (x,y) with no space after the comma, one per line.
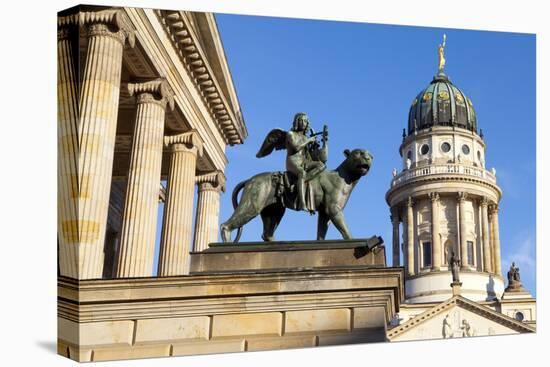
(442,104)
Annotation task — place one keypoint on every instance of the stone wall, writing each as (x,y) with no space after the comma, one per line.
(172,316)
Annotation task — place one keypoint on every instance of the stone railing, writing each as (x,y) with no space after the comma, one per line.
(443,169)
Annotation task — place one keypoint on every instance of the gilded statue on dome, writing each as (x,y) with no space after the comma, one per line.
(441,53)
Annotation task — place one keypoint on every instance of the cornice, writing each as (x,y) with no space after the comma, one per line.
(185,41)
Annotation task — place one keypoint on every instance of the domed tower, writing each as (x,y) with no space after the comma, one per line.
(445,198)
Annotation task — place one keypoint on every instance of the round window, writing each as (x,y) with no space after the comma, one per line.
(519,316)
(465,149)
(409,154)
(446,147)
(424,149)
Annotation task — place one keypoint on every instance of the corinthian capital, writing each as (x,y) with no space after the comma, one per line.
(112,22)
(211,181)
(434,196)
(186,141)
(153,91)
(462,196)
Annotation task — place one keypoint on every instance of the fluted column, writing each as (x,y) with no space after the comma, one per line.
(496,239)
(410,237)
(487,262)
(139,220)
(178,208)
(210,186)
(107,32)
(436,239)
(67,146)
(462,196)
(395,235)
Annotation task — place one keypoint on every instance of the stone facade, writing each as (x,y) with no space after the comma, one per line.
(214,313)
(147,97)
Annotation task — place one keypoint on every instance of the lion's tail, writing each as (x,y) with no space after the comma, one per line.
(234,199)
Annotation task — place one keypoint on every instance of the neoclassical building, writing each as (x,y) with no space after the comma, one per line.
(145,98)
(147,108)
(445,201)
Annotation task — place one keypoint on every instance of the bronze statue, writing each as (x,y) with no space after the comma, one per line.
(513,273)
(326,192)
(514,281)
(441,54)
(455,266)
(305,159)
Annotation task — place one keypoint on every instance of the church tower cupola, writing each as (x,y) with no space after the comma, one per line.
(444,200)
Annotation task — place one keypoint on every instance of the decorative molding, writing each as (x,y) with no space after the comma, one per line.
(211,181)
(190,140)
(99,22)
(147,91)
(184,40)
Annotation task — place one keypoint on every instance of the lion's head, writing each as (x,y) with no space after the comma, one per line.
(358,161)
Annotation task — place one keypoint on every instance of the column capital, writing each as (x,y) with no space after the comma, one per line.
(109,22)
(462,196)
(410,202)
(493,209)
(214,181)
(434,196)
(484,201)
(153,91)
(186,141)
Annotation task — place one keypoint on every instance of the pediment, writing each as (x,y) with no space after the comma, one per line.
(456,318)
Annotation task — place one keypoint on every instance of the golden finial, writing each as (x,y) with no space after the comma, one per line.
(441,52)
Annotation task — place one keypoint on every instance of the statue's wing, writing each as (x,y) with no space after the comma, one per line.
(274,140)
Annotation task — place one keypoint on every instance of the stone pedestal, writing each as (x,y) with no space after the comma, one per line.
(215,313)
(288,256)
(456,286)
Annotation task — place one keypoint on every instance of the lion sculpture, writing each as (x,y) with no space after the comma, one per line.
(269,194)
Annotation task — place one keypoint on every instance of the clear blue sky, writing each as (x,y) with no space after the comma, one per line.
(360,79)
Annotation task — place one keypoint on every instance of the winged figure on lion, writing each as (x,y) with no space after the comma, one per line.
(306,185)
